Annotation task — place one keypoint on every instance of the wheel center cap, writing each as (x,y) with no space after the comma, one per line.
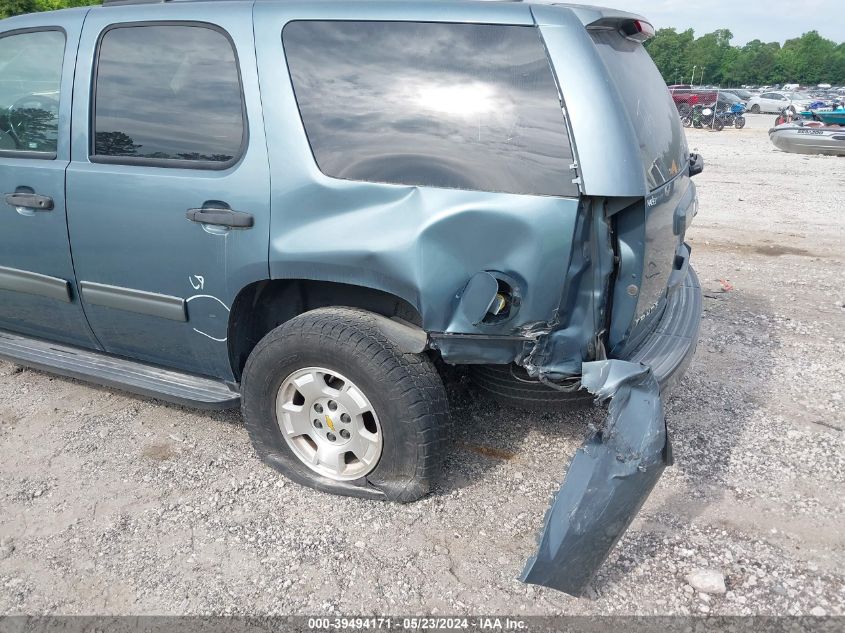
(332,423)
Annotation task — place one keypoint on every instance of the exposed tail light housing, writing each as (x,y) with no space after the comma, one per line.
(637,30)
(633,29)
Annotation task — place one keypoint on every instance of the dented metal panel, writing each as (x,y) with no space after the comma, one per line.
(609,479)
(420,243)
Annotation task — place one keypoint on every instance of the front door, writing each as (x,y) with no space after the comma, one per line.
(37,285)
(168,189)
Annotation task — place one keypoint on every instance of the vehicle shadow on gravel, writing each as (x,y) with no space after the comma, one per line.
(485,434)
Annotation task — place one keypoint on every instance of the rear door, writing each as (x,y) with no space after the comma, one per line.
(772,102)
(37,285)
(168,189)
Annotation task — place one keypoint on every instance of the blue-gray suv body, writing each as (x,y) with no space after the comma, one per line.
(298,206)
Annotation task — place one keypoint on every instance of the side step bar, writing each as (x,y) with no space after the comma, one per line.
(111,371)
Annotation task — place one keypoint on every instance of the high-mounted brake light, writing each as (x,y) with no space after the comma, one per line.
(637,30)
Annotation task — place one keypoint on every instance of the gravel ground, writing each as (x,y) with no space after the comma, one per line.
(113,504)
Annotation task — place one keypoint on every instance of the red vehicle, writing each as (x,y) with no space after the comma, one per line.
(685,98)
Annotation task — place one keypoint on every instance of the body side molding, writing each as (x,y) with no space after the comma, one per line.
(35,284)
(131,300)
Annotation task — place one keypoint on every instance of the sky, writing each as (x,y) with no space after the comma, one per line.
(767,20)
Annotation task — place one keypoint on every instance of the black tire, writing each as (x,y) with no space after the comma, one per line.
(686,121)
(511,385)
(405,390)
(792,109)
(739,123)
(755,109)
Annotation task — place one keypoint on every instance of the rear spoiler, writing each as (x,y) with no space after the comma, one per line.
(632,28)
(630,25)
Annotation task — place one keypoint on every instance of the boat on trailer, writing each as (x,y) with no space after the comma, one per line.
(805,137)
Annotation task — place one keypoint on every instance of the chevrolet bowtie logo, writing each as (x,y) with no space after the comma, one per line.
(329,423)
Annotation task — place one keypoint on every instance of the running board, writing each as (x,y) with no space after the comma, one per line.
(111,371)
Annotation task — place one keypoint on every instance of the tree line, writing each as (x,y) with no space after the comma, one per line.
(9,8)
(809,60)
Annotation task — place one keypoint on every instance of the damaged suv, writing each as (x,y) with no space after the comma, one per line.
(297,207)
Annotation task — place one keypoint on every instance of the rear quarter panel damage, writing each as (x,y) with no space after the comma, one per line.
(424,245)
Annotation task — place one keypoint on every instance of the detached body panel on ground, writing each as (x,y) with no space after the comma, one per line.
(302,204)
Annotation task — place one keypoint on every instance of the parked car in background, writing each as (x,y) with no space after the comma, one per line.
(743,94)
(686,98)
(777,101)
(726,100)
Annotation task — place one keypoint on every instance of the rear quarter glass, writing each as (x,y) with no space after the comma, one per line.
(462,106)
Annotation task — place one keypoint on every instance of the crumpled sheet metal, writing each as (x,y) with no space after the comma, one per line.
(609,478)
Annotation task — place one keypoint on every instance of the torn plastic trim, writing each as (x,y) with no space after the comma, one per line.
(609,478)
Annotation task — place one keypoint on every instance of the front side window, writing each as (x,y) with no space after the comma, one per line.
(168,93)
(30,82)
(464,106)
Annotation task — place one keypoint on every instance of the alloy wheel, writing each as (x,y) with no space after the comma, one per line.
(329,423)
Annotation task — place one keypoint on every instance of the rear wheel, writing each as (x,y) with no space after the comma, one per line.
(755,108)
(333,404)
(511,385)
(718,125)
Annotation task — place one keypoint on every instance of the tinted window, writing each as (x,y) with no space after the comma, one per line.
(168,92)
(30,79)
(663,147)
(443,105)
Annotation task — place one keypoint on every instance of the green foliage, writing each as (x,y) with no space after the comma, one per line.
(808,60)
(16,7)
(669,51)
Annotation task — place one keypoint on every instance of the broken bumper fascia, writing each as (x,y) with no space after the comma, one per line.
(619,464)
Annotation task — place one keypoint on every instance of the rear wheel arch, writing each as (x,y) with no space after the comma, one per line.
(262,306)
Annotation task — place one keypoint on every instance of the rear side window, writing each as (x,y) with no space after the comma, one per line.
(168,93)
(30,81)
(464,106)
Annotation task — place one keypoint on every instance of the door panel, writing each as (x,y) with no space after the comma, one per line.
(156,285)
(37,283)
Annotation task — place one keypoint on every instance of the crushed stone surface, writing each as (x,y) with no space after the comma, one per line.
(113,504)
